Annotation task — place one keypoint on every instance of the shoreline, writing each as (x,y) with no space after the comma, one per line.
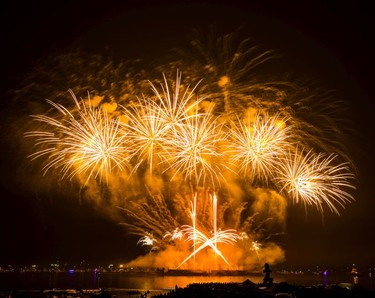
(283,289)
(210,289)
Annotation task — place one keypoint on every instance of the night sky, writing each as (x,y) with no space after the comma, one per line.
(332,41)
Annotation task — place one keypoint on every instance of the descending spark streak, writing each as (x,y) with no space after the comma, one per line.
(227,237)
(85,141)
(314,180)
(257,145)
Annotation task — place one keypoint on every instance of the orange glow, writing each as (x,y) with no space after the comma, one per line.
(175,153)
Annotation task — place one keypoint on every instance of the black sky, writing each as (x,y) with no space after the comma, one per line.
(333,39)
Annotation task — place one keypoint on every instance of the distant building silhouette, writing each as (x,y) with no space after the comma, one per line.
(267,280)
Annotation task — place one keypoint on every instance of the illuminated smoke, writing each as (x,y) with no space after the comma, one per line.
(158,146)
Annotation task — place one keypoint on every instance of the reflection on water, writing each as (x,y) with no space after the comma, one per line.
(156,282)
(118,280)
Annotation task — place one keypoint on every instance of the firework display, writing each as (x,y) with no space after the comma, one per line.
(189,148)
(84,141)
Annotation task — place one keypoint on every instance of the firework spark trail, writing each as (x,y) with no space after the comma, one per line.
(86,141)
(227,237)
(229,64)
(214,213)
(166,124)
(234,84)
(152,215)
(193,214)
(175,108)
(194,150)
(204,210)
(257,145)
(153,121)
(176,234)
(255,246)
(147,133)
(148,240)
(314,179)
(255,227)
(141,223)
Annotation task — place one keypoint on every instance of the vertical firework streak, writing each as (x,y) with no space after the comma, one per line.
(214,212)
(226,237)
(194,218)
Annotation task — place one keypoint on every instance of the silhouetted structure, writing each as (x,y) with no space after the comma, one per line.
(267,280)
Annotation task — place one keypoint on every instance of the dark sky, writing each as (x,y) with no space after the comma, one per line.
(333,39)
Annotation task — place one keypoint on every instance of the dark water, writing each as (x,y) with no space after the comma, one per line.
(117,281)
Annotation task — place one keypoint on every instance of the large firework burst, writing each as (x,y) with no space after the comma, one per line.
(314,179)
(82,141)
